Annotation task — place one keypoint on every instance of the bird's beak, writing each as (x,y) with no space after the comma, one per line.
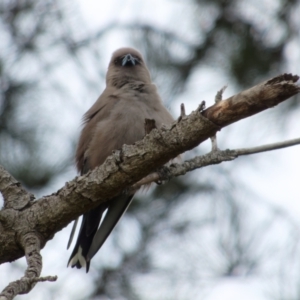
(129,60)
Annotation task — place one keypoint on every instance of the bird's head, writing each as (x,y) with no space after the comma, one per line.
(126,65)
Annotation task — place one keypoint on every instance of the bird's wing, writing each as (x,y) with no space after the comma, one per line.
(72,233)
(116,209)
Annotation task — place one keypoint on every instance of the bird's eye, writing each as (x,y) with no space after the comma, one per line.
(117,61)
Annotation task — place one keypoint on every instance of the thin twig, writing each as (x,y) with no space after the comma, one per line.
(45,278)
(182,110)
(213,157)
(219,95)
(201,107)
(268,147)
(214,143)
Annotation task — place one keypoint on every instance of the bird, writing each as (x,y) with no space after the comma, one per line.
(115,119)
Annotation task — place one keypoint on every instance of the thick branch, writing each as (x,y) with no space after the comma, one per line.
(132,163)
(252,101)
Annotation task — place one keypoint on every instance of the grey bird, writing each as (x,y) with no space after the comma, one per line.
(115,119)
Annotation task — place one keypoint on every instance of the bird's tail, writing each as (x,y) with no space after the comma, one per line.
(90,238)
(88,229)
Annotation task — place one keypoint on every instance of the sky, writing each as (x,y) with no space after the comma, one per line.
(274,176)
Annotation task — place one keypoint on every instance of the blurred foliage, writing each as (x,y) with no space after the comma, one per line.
(232,38)
(24,27)
(190,231)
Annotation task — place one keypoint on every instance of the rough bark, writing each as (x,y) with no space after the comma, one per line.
(50,214)
(41,219)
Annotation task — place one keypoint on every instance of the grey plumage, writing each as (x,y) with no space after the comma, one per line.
(116,118)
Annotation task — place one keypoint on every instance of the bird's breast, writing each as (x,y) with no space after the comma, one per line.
(125,124)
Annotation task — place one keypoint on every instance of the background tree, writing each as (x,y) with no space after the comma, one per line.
(52,63)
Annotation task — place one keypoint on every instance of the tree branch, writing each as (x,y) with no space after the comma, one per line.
(252,101)
(268,147)
(40,220)
(211,158)
(31,245)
